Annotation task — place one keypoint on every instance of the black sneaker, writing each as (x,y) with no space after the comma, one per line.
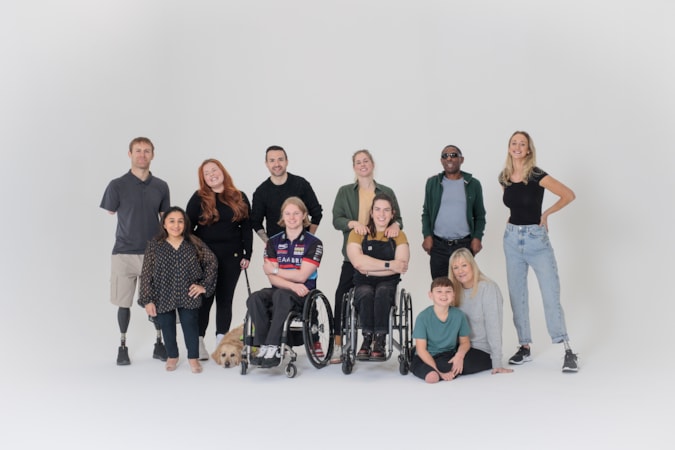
(159,352)
(521,356)
(257,357)
(379,352)
(364,352)
(123,356)
(571,363)
(273,360)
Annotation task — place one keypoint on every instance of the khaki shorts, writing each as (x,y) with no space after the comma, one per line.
(124,274)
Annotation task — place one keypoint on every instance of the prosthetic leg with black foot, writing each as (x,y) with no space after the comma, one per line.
(160,351)
(571,363)
(123,316)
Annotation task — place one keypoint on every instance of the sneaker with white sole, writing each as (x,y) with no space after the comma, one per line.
(571,363)
(257,358)
(521,356)
(337,355)
(203,354)
(272,357)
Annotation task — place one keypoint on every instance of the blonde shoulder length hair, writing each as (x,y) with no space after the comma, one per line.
(465,254)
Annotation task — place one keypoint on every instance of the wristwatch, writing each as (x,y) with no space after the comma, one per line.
(386,264)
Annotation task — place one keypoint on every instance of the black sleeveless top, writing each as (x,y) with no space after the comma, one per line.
(382,250)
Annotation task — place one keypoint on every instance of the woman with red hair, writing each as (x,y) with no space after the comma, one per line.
(221,216)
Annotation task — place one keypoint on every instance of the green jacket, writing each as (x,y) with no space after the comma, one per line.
(475,211)
(346,208)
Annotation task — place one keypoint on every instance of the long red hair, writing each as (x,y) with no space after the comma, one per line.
(231,196)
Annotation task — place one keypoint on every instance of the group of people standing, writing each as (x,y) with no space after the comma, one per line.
(198,255)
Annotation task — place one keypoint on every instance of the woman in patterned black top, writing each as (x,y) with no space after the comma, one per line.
(178,269)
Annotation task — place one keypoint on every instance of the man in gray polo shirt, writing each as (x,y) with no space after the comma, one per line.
(138,198)
(453,215)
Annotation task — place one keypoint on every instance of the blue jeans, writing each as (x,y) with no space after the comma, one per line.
(525,246)
(189,322)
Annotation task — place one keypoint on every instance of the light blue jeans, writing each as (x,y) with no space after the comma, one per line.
(525,246)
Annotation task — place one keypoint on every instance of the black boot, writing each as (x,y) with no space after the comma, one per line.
(160,351)
(123,356)
(364,353)
(379,347)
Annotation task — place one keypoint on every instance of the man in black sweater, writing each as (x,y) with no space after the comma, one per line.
(269,196)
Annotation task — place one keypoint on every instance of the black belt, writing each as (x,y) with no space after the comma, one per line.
(454,241)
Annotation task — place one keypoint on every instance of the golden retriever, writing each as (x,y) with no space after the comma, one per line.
(228,351)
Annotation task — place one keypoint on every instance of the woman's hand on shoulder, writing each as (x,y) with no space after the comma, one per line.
(392,230)
(359,229)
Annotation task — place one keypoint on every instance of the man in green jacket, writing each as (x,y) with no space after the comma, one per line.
(453,215)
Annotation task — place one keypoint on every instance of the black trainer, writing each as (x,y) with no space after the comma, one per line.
(571,363)
(123,356)
(257,356)
(379,352)
(272,358)
(364,352)
(159,352)
(521,356)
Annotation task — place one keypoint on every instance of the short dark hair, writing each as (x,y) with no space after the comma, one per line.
(141,140)
(442,282)
(275,148)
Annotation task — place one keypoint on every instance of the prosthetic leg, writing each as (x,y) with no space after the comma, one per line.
(123,316)
(159,351)
(571,363)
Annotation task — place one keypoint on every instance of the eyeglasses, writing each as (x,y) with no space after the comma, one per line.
(450,155)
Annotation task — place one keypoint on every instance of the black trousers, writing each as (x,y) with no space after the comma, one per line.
(229,270)
(441,250)
(269,309)
(474,361)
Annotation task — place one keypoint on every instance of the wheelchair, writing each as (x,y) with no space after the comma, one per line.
(311,326)
(400,321)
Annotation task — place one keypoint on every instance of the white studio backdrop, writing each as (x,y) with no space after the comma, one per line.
(592,81)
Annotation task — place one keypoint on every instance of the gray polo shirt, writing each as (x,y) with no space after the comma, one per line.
(137,204)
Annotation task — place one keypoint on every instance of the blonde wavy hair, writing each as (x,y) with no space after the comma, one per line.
(528,166)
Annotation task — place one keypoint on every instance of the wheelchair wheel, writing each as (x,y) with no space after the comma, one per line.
(317,330)
(346,321)
(349,332)
(405,321)
(347,365)
(403,365)
(248,343)
(291,370)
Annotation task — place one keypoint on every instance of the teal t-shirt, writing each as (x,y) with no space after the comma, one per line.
(441,336)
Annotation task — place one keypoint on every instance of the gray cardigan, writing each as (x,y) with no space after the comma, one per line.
(485,314)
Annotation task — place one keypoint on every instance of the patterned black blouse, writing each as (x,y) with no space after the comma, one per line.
(168,273)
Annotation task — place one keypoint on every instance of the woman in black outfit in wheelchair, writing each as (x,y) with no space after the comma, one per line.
(378,264)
